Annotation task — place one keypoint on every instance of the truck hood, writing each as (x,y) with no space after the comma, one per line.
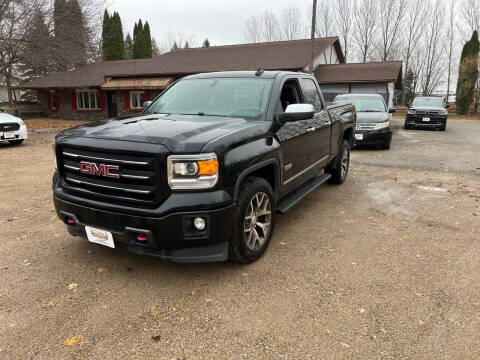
(372,117)
(427,108)
(179,133)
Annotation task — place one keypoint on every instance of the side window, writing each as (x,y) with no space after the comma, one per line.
(290,94)
(311,94)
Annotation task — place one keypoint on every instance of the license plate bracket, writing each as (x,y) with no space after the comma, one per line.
(9,135)
(359,137)
(425,119)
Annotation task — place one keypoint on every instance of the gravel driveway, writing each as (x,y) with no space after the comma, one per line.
(384,267)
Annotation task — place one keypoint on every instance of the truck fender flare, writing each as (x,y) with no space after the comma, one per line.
(256,167)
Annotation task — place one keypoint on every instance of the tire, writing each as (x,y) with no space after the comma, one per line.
(443,127)
(406,127)
(386,146)
(339,173)
(16,142)
(249,241)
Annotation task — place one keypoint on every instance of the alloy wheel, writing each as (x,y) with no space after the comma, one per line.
(257,223)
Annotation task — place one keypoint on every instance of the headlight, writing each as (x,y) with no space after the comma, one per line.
(189,172)
(411,112)
(443,112)
(382,125)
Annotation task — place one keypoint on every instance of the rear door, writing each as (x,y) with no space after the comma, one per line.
(321,122)
(297,138)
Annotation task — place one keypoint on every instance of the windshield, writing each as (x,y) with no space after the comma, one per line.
(363,103)
(428,102)
(246,98)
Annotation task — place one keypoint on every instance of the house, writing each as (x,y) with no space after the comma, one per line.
(382,78)
(111,88)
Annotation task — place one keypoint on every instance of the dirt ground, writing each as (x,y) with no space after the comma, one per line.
(384,267)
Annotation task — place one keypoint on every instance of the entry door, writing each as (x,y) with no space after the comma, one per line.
(297,138)
(112,104)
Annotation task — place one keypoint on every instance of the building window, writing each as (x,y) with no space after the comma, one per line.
(88,100)
(53,100)
(136,99)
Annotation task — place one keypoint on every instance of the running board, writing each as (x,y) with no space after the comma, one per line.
(293,198)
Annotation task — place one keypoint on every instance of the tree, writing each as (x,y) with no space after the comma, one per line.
(206,43)
(155,49)
(142,41)
(409,87)
(365,22)
(76,37)
(290,23)
(186,46)
(128,47)
(468,74)
(343,23)
(264,27)
(147,50)
(175,46)
(36,58)
(324,23)
(391,16)
(451,42)
(113,45)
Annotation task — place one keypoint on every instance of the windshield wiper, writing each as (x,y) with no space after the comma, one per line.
(369,111)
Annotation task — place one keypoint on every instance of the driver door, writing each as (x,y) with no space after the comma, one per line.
(297,138)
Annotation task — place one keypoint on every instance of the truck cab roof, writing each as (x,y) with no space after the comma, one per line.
(243,74)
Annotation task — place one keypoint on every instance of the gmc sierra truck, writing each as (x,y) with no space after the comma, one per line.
(199,176)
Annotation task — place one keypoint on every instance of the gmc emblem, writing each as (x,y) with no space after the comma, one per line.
(99,170)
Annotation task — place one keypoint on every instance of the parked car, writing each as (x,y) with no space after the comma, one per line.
(427,112)
(373,119)
(12,129)
(199,176)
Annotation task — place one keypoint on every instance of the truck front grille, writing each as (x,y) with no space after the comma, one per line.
(9,127)
(113,177)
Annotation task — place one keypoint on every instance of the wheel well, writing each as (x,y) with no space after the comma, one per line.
(348,135)
(268,172)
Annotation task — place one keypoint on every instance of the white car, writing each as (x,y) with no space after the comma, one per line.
(12,129)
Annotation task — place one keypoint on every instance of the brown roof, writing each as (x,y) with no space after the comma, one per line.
(143,83)
(373,72)
(278,55)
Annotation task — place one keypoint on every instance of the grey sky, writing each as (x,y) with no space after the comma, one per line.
(222,21)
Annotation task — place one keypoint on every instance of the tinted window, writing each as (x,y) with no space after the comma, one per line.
(363,103)
(433,102)
(245,98)
(311,94)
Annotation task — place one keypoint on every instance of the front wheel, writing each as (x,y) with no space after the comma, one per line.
(340,165)
(254,221)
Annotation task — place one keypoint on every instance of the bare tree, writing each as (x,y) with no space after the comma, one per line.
(391,13)
(413,29)
(451,42)
(434,45)
(253,29)
(270,26)
(290,23)
(324,22)
(365,20)
(179,38)
(470,17)
(343,23)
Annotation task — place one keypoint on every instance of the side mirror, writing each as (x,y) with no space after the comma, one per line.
(447,106)
(391,111)
(146,104)
(296,112)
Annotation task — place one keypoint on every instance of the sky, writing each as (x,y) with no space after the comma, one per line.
(221,21)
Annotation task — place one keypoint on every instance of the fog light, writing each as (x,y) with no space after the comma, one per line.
(199,224)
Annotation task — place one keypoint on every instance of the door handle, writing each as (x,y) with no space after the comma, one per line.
(312,129)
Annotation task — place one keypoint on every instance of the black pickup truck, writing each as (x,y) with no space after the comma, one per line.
(199,176)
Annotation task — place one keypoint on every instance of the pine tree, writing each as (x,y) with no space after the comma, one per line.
(147,51)
(128,47)
(38,56)
(138,40)
(106,35)
(206,43)
(468,74)
(75,44)
(60,31)
(409,87)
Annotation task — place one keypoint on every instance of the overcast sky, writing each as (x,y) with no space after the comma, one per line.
(221,21)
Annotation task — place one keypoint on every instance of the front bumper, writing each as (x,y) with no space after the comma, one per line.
(171,237)
(375,137)
(418,120)
(19,134)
